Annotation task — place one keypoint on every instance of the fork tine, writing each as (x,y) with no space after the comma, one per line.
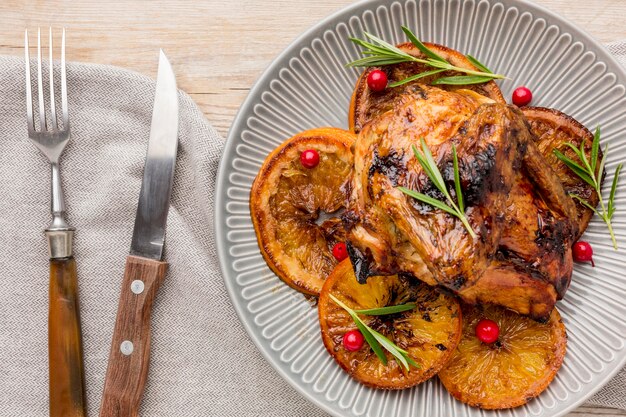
(53,113)
(66,114)
(42,108)
(29,93)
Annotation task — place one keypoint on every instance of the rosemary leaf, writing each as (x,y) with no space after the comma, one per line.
(374,61)
(426,160)
(378,53)
(427,166)
(585,161)
(373,47)
(462,80)
(389,47)
(374,50)
(386,310)
(588,173)
(595,146)
(428,200)
(367,45)
(364,329)
(457,180)
(602,163)
(432,165)
(430,54)
(410,360)
(376,340)
(439,64)
(478,64)
(578,170)
(369,338)
(391,348)
(584,203)
(576,151)
(415,77)
(611,204)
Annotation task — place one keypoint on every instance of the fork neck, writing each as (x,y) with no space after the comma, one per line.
(57,206)
(59,233)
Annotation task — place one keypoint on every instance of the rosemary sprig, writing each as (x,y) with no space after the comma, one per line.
(586,170)
(429,166)
(378,53)
(383,311)
(376,340)
(415,77)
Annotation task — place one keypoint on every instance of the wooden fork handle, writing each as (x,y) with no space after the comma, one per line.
(130,349)
(65,349)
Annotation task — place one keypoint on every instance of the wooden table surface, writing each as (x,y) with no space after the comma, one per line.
(220,47)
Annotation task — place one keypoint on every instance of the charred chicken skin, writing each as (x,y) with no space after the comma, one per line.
(521,256)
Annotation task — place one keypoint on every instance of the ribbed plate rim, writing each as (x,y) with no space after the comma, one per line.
(239,122)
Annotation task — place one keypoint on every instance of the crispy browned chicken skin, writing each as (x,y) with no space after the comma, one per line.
(514,202)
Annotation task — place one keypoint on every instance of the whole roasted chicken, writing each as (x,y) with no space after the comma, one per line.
(523,219)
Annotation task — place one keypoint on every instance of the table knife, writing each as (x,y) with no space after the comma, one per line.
(129,356)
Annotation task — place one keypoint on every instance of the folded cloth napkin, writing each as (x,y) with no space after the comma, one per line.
(203,363)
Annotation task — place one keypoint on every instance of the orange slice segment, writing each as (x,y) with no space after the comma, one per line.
(295,209)
(511,371)
(429,333)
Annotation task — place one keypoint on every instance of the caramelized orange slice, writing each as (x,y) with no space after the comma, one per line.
(295,209)
(429,333)
(511,371)
(552,130)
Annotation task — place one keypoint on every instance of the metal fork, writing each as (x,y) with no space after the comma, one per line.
(64,337)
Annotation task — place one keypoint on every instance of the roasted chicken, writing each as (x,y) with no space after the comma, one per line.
(524,220)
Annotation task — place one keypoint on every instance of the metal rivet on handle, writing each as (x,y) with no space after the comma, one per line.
(127,347)
(137,286)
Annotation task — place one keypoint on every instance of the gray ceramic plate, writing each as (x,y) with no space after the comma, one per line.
(307,86)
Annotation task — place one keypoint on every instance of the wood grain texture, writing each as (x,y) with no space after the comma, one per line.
(218,48)
(65,346)
(127,373)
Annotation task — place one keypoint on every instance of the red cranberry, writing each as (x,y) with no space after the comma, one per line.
(340,251)
(377,80)
(583,252)
(353,340)
(522,96)
(309,158)
(487,331)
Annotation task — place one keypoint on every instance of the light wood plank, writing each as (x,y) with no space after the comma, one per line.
(220,47)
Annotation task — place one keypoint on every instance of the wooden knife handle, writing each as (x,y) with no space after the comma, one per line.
(65,348)
(130,349)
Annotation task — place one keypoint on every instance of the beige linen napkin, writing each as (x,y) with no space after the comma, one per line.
(203,363)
